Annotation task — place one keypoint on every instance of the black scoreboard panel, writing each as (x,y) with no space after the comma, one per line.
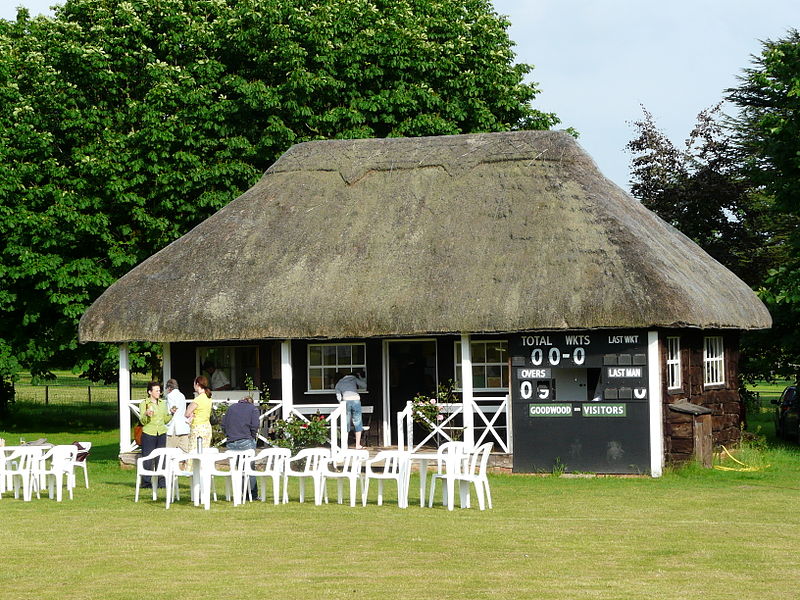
(581,401)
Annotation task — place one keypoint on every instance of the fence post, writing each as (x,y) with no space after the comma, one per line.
(46,395)
(89,388)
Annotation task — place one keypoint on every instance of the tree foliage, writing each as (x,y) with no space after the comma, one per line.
(125,123)
(735,189)
(767,134)
(699,190)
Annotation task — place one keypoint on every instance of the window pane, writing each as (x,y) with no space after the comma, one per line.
(344,355)
(495,352)
(478,350)
(478,376)
(358,354)
(315,379)
(315,355)
(329,355)
(330,379)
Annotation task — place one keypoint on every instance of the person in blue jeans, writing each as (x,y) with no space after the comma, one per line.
(240,424)
(347,391)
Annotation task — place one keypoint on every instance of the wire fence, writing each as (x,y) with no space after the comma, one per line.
(60,395)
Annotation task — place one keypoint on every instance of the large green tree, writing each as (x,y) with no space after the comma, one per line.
(699,189)
(125,123)
(767,132)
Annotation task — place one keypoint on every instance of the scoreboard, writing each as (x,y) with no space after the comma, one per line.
(581,401)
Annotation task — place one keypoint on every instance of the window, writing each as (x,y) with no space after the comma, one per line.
(237,363)
(673,363)
(713,361)
(326,360)
(489,365)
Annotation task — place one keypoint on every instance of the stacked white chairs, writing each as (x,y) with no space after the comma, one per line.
(159,467)
(451,459)
(234,475)
(18,468)
(475,474)
(53,469)
(81,461)
(313,461)
(345,465)
(267,464)
(393,469)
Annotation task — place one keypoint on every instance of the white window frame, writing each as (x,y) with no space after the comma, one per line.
(674,363)
(713,360)
(480,361)
(343,366)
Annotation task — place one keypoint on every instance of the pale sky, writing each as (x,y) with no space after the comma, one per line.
(597,61)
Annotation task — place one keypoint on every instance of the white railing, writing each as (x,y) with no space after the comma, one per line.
(492,418)
(498,407)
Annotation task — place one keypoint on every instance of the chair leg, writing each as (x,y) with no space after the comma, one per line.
(364,491)
(276,489)
(433,490)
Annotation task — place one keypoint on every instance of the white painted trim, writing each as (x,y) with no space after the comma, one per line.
(386,420)
(166,360)
(287,397)
(124,388)
(467,391)
(655,401)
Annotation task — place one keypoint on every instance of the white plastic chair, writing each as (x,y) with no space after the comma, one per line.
(345,465)
(475,473)
(315,460)
(450,463)
(393,469)
(176,456)
(80,462)
(54,468)
(160,468)
(234,475)
(268,463)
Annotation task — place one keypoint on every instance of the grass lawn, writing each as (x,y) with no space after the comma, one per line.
(690,534)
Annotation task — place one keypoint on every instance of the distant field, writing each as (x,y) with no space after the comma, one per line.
(69,388)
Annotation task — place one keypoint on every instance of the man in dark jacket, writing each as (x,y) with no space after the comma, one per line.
(240,425)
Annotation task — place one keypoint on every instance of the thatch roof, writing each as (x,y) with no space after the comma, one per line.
(492,232)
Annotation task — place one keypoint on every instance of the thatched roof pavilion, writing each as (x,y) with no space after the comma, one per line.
(497,232)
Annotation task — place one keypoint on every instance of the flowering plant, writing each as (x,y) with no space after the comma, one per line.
(296,433)
(428,410)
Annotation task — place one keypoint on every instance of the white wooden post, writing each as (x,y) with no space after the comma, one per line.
(655,405)
(467,390)
(166,364)
(287,400)
(124,387)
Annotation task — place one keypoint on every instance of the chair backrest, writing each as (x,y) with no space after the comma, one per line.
(60,457)
(480,458)
(273,460)
(237,459)
(451,455)
(392,461)
(351,460)
(160,455)
(315,458)
(23,459)
(83,450)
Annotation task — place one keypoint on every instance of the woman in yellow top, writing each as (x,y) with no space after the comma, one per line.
(199,412)
(154,416)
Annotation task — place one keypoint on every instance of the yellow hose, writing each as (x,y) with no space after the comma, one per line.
(744,468)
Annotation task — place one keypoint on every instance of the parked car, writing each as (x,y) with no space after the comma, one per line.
(787,414)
